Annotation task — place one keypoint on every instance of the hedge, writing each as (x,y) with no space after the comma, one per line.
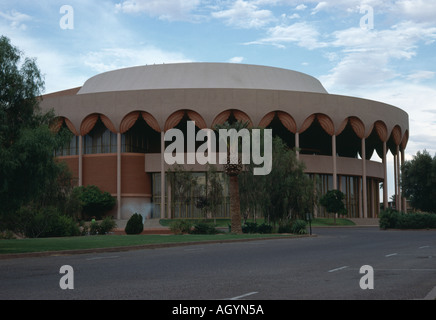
(391,219)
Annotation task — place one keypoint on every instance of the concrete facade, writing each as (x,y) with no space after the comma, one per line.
(208,93)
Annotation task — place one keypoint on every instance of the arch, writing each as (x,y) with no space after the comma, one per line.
(89,122)
(326,123)
(174,119)
(130,119)
(405,140)
(396,135)
(307,123)
(59,121)
(382,130)
(358,126)
(224,116)
(287,120)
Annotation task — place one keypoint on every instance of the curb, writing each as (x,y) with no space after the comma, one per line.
(138,247)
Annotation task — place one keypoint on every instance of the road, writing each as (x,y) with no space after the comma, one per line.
(323,267)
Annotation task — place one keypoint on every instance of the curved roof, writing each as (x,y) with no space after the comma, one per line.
(201,76)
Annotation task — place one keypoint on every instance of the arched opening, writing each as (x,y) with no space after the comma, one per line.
(97,136)
(140,138)
(315,140)
(348,144)
(279,130)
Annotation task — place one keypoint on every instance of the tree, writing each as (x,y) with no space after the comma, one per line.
(418,181)
(95,203)
(286,193)
(27,165)
(333,202)
(233,170)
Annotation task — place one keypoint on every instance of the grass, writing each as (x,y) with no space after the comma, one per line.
(109,241)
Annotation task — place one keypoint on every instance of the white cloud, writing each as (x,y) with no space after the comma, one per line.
(16,19)
(421,75)
(236,59)
(302,34)
(417,10)
(301,7)
(368,56)
(163,9)
(244,14)
(116,58)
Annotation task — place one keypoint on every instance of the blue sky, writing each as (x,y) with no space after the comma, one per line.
(393,60)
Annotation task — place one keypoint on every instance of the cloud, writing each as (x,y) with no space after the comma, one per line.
(368,57)
(236,60)
(244,14)
(163,9)
(116,58)
(16,19)
(302,34)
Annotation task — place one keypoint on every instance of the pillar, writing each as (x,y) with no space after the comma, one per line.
(118,175)
(335,171)
(162,175)
(364,189)
(80,161)
(385,177)
(297,144)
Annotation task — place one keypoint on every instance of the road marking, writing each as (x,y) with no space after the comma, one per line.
(431,295)
(337,269)
(423,247)
(243,296)
(391,255)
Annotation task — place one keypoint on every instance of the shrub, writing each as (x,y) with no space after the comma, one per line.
(299,227)
(134,225)
(203,228)
(46,222)
(180,226)
(94,201)
(264,228)
(107,225)
(285,227)
(391,219)
(250,227)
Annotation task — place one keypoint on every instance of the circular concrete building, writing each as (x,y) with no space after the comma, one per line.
(119,119)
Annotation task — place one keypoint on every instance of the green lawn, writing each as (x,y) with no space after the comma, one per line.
(110,241)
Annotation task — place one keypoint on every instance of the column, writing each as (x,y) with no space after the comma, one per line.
(395,182)
(385,177)
(80,161)
(297,144)
(404,202)
(364,189)
(118,176)
(162,175)
(335,172)
(398,179)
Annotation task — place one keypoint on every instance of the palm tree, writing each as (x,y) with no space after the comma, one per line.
(233,170)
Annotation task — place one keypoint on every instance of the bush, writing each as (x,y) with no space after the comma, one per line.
(94,201)
(46,222)
(299,227)
(250,227)
(203,228)
(180,226)
(253,227)
(106,226)
(134,225)
(285,227)
(391,219)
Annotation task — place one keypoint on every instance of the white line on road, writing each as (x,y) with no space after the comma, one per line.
(390,255)
(423,247)
(243,296)
(337,269)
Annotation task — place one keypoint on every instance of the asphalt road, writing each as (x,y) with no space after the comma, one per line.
(323,267)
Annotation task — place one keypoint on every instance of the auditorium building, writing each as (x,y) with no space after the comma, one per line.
(118,120)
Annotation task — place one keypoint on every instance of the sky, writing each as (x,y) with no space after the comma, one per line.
(383,50)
